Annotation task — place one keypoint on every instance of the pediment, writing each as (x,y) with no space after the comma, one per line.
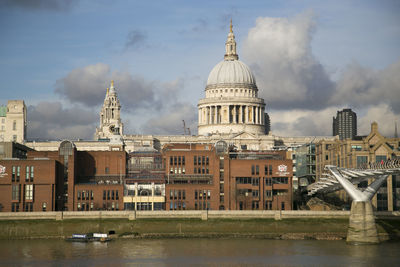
(381,149)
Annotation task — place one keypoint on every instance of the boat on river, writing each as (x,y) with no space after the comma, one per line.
(89,237)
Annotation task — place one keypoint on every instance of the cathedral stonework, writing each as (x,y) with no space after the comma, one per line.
(231,104)
(110,116)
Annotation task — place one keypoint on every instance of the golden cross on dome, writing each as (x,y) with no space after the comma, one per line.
(231,26)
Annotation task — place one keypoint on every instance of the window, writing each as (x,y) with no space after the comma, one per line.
(252,170)
(14,207)
(13,174)
(18,173)
(255,205)
(257,170)
(270,169)
(104,194)
(27,175)
(107,170)
(266,170)
(15,191)
(29,192)
(116,195)
(283,206)
(195,160)
(79,195)
(195,194)
(255,193)
(32,173)
(14,125)
(268,193)
(361,161)
(28,206)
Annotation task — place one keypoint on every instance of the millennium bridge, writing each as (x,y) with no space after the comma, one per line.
(362,227)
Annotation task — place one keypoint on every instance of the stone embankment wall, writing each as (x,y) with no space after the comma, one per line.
(187,214)
(178,224)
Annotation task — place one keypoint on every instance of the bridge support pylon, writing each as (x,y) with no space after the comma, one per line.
(362,228)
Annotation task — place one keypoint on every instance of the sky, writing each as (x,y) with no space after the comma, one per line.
(310,59)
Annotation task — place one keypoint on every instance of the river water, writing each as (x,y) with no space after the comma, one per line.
(199,252)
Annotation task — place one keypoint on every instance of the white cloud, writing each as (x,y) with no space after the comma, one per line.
(301,97)
(52,120)
(279,52)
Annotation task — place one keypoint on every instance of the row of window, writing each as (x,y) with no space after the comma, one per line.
(16,192)
(177,170)
(177,194)
(268,181)
(248,180)
(27,207)
(144,206)
(110,195)
(201,160)
(202,194)
(177,205)
(177,160)
(85,195)
(202,205)
(268,205)
(87,206)
(16,173)
(143,192)
(255,170)
(201,170)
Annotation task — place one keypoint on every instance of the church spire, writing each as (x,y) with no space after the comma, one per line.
(230,46)
(112,88)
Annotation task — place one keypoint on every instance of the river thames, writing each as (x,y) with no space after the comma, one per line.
(200,252)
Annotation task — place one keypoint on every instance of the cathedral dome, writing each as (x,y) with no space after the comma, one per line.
(231,72)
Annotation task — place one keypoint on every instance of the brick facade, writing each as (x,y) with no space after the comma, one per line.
(27,185)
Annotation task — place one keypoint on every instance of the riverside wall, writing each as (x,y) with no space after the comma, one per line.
(186,214)
(331,225)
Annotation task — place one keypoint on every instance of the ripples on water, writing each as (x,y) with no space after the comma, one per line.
(183,252)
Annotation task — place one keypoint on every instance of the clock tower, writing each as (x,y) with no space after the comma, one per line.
(110,116)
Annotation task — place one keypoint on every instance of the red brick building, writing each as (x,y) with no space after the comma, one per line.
(84,177)
(99,180)
(191,177)
(212,177)
(28,185)
(258,181)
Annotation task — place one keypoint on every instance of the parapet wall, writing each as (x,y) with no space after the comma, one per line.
(188,214)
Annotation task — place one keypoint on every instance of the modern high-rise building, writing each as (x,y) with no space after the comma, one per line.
(345,124)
